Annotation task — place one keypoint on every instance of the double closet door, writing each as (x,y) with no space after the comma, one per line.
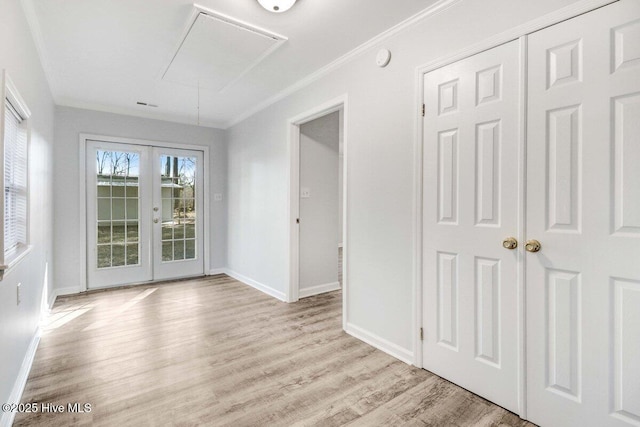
(144,213)
(531,247)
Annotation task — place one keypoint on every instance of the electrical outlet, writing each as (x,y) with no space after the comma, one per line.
(217,197)
(305,193)
(18,294)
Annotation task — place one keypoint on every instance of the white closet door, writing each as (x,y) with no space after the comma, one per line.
(470,206)
(583,205)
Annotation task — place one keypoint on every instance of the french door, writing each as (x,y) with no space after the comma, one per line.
(144,213)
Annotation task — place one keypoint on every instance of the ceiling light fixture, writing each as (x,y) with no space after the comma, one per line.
(277,6)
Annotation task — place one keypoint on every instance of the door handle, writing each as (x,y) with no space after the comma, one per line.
(510,243)
(532,246)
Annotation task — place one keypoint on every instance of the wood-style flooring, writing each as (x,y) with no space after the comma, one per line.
(213,351)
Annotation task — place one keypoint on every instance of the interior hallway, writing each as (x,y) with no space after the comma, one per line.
(214,351)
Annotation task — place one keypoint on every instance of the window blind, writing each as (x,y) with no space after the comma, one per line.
(15,182)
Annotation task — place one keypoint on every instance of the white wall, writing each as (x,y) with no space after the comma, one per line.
(379,123)
(18,323)
(70,123)
(319,141)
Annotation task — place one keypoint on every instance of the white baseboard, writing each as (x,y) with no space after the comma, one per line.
(215,271)
(319,289)
(67,291)
(52,299)
(6,418)
(257,285)
(380,343)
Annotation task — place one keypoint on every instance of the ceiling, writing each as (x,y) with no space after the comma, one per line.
(108,55)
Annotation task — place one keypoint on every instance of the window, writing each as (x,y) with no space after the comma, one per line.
(15,198)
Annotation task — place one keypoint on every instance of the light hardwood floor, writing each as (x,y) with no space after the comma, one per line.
(213,351)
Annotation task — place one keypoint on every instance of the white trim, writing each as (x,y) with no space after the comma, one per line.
(416,285)
(381,344)
(52,300)
(519,32)
(68,291)
(521,224)
(82,241)
(256,285)
(293,132)
(9,92)
(318,289)
(216,271)
(6,418)
(432,10)
(141,112)
(14,97)
(16,259)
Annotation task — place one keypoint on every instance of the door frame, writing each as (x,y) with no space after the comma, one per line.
(517,33)
(82,238)
(293,132)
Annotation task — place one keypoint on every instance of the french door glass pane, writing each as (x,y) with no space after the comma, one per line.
(118,208)
(178,189)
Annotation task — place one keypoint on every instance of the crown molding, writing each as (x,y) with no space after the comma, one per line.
(172,118)
(432,10)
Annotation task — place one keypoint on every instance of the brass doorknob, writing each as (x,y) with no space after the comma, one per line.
(510,243)
(532,246)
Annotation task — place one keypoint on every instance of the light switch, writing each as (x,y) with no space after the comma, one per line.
(217,197)
(305,193)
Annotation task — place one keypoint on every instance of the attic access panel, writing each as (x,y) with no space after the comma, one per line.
(217,51)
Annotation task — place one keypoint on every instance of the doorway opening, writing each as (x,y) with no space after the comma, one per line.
(145,212)
(318,208)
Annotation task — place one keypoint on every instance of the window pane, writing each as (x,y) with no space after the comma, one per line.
(190,230)
(132,254)
(117,255)
(117,190)
(132,188)
(117,235)
(104,209)
(167,232)
(104,232)
(178,249)
(104,190)
(167,251)
(132,232)
(178,232)
(117,209)
(132,208)
(190,249)
(104,256)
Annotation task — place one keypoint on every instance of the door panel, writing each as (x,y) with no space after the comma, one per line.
(583,287)
(178,220)
(118,234)
(470,205)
